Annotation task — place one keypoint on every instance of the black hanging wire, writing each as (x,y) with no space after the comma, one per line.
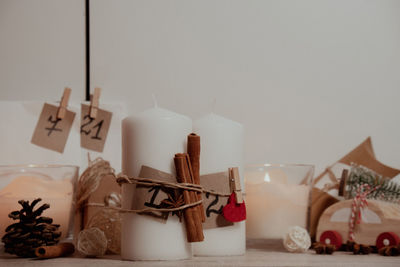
(87,47)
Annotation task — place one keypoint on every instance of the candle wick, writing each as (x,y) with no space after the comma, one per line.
(154,100)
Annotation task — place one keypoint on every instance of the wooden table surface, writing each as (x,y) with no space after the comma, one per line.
(259,253)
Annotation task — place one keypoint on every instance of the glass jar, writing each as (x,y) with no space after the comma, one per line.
(54,184)
(277,198)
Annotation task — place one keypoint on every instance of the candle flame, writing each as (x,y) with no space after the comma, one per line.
(267,178)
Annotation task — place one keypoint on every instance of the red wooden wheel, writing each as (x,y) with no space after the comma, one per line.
(331,238)
(387,239)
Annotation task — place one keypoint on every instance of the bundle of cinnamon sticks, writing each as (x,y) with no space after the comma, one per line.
(187,167)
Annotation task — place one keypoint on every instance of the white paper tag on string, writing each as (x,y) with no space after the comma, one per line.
(94,131)
(51,132)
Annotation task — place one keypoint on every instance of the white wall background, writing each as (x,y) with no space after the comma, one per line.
(309,79)
(42,49)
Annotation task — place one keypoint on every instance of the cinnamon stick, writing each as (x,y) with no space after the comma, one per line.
(193,148)
(59,250)
(191,230)
(192,218)
(193,196)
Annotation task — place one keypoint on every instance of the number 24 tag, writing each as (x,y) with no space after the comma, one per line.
(94,130)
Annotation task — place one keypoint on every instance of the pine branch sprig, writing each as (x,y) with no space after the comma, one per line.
(386,189)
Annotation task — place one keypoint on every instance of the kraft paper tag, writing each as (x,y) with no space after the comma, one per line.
(94,130)
(152,197)
(213,204)
(51,132)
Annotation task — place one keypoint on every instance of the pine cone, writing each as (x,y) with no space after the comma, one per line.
(31,231)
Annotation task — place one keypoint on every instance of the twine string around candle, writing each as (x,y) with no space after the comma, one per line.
(145,209)
(90,180)
(121,178)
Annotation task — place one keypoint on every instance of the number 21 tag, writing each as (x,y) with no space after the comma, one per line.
(94,130)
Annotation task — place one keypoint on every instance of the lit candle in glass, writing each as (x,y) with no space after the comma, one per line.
(54,184)
(277,198)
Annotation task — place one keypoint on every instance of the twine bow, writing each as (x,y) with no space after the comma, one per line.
(359,202)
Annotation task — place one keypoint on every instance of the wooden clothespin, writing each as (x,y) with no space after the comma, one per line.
(62,109)
(235,184)
(94,102)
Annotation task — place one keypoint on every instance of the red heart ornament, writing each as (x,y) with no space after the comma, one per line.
(234,212)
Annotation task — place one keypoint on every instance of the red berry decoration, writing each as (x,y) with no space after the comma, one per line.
(234,212)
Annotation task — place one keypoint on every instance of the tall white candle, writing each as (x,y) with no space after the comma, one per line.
(152,138)
(221,148)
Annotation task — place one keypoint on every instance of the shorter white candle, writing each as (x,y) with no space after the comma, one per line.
(221,148)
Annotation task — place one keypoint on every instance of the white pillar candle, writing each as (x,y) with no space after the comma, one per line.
(152,138)
(221,148)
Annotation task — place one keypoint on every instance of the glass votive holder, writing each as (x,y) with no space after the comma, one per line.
(54,184)
(277,198)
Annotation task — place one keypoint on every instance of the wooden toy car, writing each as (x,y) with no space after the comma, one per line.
(380,224)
